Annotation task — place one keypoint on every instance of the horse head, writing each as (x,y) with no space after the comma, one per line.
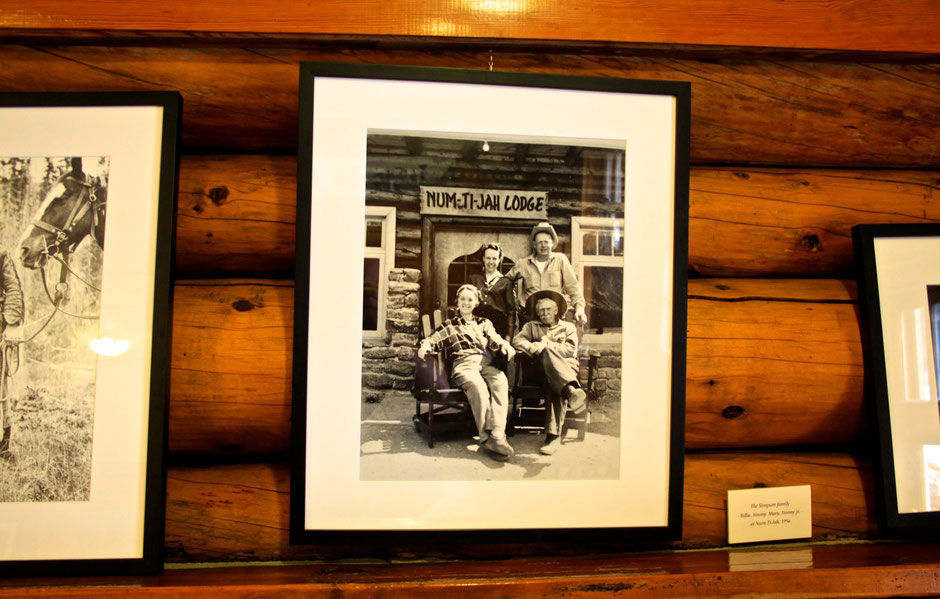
(73,209)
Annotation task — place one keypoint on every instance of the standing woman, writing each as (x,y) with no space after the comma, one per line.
(498,303)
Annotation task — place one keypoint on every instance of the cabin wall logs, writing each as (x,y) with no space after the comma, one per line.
(788,153)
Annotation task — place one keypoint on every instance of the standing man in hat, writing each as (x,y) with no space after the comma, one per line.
(554,344)
(547,269)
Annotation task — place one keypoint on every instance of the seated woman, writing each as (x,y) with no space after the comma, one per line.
(467,342)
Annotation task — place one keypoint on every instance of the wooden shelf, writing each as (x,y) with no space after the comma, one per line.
(830,570)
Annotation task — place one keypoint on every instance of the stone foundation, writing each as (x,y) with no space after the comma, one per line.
(388,365)
(607,374)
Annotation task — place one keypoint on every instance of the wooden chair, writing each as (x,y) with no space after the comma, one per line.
(440,406)
(529,394)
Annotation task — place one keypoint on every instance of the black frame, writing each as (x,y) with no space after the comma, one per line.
(681,92)
(876,378)
(154,503)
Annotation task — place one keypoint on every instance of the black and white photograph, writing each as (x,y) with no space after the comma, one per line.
(87,198)
(51,247)
(492,322)
(519,245)
(898,284)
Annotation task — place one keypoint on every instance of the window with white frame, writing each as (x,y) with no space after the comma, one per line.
(379,259)
(597,255)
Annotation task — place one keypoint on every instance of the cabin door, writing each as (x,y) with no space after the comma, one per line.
(453,252)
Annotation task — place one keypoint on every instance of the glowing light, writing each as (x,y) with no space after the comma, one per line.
(504,7)
(106,346)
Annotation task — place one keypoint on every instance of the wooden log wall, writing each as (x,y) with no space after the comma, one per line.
(790,149)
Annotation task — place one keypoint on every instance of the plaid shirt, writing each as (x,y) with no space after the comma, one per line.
(460,337)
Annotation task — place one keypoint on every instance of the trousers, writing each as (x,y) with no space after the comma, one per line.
(487,391)
(559,372)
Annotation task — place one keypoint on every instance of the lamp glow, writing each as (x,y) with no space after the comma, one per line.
(106,346)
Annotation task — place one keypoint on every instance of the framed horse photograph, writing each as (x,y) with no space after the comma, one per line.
(88,204)
(516,364)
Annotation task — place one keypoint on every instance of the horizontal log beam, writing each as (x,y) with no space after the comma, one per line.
(755,111)
(759,222)
(770,362)
(230,377)
(883,25)
(240,512)
(236,216)
(773,363)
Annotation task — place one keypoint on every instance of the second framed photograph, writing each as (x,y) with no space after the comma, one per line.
(490,311)
(899,293)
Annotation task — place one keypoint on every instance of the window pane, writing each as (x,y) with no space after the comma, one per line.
(604,244)
(370,294)
(373,233)
(603,293)
(589,243)
(618,242)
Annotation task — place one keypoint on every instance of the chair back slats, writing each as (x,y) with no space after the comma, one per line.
(438,321)
(426,326)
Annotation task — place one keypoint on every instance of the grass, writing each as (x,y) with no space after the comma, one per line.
(51,445)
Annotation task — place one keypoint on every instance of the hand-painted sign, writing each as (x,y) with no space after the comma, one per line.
(492,203)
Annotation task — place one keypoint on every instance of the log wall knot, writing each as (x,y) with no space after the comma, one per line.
(810,242)
(732,412)
(243,305)
(218,195)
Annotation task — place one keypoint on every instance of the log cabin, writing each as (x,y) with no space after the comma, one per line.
(807,118)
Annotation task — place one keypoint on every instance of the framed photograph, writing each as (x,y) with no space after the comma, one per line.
(899,295)
(519,245)
(87,194)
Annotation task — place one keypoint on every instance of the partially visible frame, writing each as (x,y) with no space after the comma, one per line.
(899,294)
(103,320)
(343,109)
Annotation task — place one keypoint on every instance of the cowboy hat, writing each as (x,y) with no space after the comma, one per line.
(550,294)
(544,227)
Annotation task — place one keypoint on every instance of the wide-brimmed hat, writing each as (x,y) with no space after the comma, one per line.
(544,227)
(549,293)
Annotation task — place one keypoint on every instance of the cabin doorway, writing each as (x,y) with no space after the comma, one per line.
(452,252)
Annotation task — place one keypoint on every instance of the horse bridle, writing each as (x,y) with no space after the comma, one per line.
(87,199)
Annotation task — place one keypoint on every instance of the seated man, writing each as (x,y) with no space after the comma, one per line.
(467,342)
(554,344)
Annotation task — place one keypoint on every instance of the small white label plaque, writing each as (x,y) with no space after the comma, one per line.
(769,514)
